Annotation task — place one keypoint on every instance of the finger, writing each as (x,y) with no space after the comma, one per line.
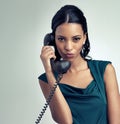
(47,48)
(48,52)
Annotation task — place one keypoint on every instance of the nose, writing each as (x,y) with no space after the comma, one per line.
(68,46)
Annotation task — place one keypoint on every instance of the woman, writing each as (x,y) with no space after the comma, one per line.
(88,91)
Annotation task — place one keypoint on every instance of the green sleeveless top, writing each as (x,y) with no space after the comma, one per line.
(88,105)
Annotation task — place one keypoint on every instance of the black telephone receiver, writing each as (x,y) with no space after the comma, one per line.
(60,67)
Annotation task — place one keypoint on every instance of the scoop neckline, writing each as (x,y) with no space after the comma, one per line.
(91,82)
(79,88)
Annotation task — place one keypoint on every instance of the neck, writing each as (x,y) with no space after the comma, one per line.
(78,65)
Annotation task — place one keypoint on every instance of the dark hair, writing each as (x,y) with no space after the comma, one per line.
(69,14)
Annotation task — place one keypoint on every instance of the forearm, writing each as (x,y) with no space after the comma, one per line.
(58,105)
(59,108)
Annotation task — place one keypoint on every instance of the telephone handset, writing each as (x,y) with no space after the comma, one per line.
(60,67)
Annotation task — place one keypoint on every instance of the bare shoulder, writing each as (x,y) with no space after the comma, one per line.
(111,80)
(110,68)
(44,87)
(43,83)
(110,73)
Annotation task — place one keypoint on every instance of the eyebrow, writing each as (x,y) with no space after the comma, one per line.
(73,36)
(59,36)
(77,36)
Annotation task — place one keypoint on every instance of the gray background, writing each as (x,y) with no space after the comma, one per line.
(23,24)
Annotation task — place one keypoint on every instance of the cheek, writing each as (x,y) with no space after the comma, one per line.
(59,48)
(78,47)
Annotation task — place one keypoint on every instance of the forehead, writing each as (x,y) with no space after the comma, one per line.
(69,28)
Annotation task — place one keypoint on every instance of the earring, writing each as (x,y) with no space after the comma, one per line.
(83,42)
(83,48)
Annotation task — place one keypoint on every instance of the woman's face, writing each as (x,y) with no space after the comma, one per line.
(69,39)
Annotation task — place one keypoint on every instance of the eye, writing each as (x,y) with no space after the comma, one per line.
(61,39)
(76,39)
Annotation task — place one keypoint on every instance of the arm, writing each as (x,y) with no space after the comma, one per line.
(113,96)
(59,108)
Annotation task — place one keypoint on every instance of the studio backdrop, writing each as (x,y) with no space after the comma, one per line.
(23,25)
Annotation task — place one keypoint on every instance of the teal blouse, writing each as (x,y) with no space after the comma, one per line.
(88,105)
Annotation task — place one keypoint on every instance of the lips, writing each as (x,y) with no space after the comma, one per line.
(69,55)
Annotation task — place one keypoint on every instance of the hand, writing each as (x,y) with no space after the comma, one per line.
(47,53)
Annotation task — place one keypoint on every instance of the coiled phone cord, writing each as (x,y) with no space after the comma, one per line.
(48,99)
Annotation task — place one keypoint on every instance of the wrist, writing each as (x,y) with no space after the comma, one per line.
(49,72)
(51,78)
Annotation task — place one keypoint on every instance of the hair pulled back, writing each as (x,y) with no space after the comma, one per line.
(69,14)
